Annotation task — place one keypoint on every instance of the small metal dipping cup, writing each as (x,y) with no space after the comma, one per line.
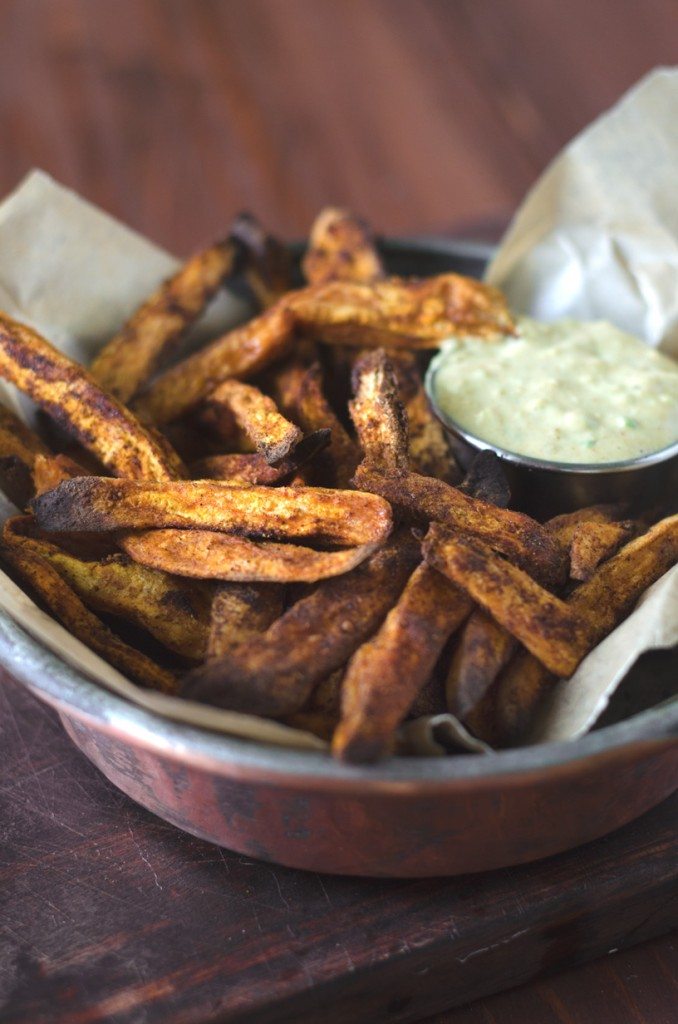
(545,488)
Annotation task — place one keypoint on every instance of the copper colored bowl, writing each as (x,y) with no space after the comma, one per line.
(408,817)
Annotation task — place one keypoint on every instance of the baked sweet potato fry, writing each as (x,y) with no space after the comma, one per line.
(248,469)
(66,606)
(591,534)
(378,415)
(175,612)
(51,470)
(341,248)
(102,504)
(386,674)
(398,313)
(483,649)
(276,676)
(602,602)
(300,391)
(240,613)
(558,633)
(429,452)
(71,397)
(267,264)
(613,589)
(258,416)
(507,711)
(553,632)
(427,447)
(393,418)
(485,646)
(172,611)
(19,449)
(239,353)
(395,425)
(206,555)
(565,526)
(130,358)
(514,534)
(593,543)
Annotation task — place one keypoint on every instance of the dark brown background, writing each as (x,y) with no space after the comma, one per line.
(425,115)
(422,114)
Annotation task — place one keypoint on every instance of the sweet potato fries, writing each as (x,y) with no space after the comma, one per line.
(309,551)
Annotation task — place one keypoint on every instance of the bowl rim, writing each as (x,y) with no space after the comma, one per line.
(638,462)
(72,694)
(57,683)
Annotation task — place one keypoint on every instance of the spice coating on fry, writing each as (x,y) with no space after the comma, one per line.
(309,641)
(247,469)
(602,603)
(174,611)
(593,543)
(99,503)
(241,612)
(72,398)
(242,351)
(431,500)
(259,417)
(204,554)
(130,358)
(64,603)
(378,415)
(341,248)
(301,394)
(401,313)
(385,675)
(485,646)
(552,631)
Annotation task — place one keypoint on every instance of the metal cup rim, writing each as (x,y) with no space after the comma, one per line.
(530,462)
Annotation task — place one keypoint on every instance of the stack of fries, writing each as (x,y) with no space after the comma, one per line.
(275,524)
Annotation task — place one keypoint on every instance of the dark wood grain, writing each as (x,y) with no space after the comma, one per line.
(426,116)
(173,115)
(635,985)
(110,914)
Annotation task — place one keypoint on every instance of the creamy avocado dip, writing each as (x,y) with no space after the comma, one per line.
(567,392)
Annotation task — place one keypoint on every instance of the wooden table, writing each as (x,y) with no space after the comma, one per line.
(421,114)
(109,914)
(425,116)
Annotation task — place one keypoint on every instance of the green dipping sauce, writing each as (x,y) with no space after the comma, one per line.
(567,392)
